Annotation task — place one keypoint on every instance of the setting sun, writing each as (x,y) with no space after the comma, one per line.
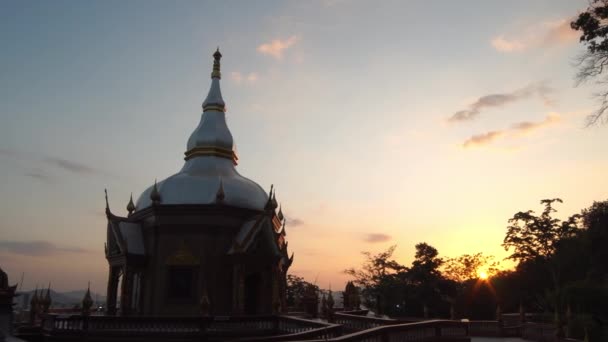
(482,274)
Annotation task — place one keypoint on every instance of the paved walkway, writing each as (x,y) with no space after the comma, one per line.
(497,339)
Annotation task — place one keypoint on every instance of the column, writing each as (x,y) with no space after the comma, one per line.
(112,292)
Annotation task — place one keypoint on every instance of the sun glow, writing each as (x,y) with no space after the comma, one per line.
(483,275)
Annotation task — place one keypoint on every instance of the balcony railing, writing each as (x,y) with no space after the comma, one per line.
(269,328)
(428,331)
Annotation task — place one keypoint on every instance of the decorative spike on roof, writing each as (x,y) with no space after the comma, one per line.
(3,279)
(212,136)
(131,205)
(268,205)
(280,214)
(275,204)
(34,300)
(108,213)
(155,195)
(214,100)
(87,300)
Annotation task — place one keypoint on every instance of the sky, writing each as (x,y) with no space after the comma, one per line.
(379,123)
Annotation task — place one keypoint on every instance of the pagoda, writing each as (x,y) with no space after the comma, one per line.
(204,241)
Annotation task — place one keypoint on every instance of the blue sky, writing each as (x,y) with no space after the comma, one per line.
(343,105)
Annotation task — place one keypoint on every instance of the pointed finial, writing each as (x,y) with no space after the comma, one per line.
(108,213)
(268,205)
(275,204)
(87,301)
(46,300)
(155,195)
(216,64)
(220,195)
(130,205)
(280,214)
(34,299)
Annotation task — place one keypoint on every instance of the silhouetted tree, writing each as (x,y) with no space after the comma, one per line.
(535,241)
(296,290)
(595,220)
(593,24)
(467,266)
(376,275)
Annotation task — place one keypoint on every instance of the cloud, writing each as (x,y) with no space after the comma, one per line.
(294,222)
(252,77)
(39,175)
(70,166)
(482,139)
(277,47)
(503,44)
(64,164)
(527,126)
(546,34)
(37,248)
(240,78)
(377,237)
(515,129)
(541,90)
(560,32)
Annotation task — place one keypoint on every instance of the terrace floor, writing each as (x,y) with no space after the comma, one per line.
(497,339)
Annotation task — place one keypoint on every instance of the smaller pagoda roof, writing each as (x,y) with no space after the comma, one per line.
(128,236)
(132,235)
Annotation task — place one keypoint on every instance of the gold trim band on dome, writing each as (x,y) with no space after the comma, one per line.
(211,151)
(219,108)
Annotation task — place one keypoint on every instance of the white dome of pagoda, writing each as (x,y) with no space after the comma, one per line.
(209,175)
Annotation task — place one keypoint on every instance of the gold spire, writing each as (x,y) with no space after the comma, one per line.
(130,205)
(216,64)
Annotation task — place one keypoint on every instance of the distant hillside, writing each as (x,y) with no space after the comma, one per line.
(69,298)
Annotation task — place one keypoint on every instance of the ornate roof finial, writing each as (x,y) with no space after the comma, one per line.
(330,299)
(220,195)
(216,64)
(46,300)
(280,214)
(108,213)
(3,279)
(268,205)
(214,100)
(275,204)
(34,300)
(130,205)
(87,301)
(155,195)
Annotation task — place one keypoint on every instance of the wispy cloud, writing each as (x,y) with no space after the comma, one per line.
(64,164)
(39,175)
(277,47)
(503,44)
(71,166)
(482,139)
(294,222)
(240,78)
(541,90)
(515,129)
(37,248)
(377,237)
(546,34)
